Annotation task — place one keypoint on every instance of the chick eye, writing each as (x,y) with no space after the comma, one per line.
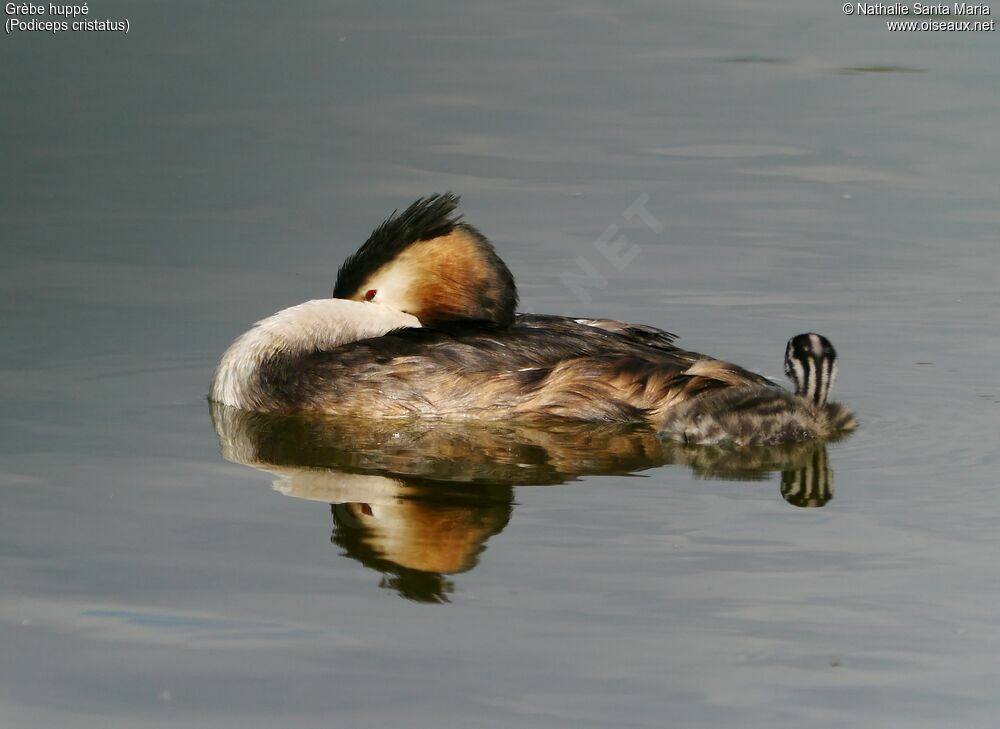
(370,294)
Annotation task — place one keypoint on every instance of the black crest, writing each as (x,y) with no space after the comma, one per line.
(427,218)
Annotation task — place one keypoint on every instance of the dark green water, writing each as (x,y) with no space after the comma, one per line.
(796,169)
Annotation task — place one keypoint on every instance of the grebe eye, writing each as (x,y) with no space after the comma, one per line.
(370,294)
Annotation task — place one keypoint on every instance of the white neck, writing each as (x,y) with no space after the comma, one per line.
(315,325)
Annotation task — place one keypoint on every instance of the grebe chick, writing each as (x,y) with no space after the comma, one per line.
(424,326)
(749,416)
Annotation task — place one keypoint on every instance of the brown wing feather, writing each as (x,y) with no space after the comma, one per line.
(620,388)
(541,368)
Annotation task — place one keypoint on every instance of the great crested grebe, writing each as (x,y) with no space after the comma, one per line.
(423,324)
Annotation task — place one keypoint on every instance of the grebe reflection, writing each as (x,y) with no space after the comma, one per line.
(418,502)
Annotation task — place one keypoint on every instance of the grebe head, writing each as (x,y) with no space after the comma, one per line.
(428,263)
(811,365)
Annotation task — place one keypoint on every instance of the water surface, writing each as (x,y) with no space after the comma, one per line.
(795,169)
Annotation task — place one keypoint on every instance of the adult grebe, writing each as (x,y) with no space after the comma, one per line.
(423,324)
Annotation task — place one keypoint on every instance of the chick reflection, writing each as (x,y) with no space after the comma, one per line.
(812,484)
(806,477)
(418,501)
